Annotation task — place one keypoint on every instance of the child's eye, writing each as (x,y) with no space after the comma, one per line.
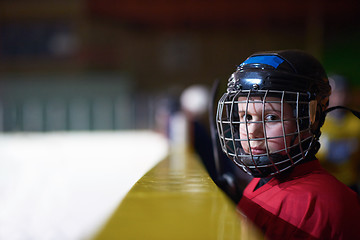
(246,117)
(271,117)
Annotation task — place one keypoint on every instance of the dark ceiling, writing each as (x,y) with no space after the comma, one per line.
(223,13)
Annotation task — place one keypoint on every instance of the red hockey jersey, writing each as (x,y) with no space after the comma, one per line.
(309,204)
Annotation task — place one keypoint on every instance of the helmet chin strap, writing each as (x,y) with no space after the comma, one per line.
(253,164)
(261,172)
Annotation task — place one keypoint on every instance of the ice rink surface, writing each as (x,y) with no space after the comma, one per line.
(65,185)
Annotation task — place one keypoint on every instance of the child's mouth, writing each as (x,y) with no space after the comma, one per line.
(258,151)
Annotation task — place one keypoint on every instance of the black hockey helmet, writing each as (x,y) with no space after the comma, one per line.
(293,77)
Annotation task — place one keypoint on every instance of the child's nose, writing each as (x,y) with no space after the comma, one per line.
(255,130)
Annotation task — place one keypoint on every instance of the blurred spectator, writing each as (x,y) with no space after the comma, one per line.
(194,102)
(340,139)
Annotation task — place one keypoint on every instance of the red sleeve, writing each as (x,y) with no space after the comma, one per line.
(316,208)
(272,226)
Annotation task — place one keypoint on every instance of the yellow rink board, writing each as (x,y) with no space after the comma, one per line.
(177,200)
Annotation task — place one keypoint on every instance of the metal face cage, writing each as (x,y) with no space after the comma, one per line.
(282,120)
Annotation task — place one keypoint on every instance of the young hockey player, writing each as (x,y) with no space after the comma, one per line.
(269,124)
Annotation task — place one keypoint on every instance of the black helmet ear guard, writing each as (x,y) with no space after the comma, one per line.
(282,78)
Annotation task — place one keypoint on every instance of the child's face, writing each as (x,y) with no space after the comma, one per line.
(274,127)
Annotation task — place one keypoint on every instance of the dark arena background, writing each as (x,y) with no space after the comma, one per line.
(98,100)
